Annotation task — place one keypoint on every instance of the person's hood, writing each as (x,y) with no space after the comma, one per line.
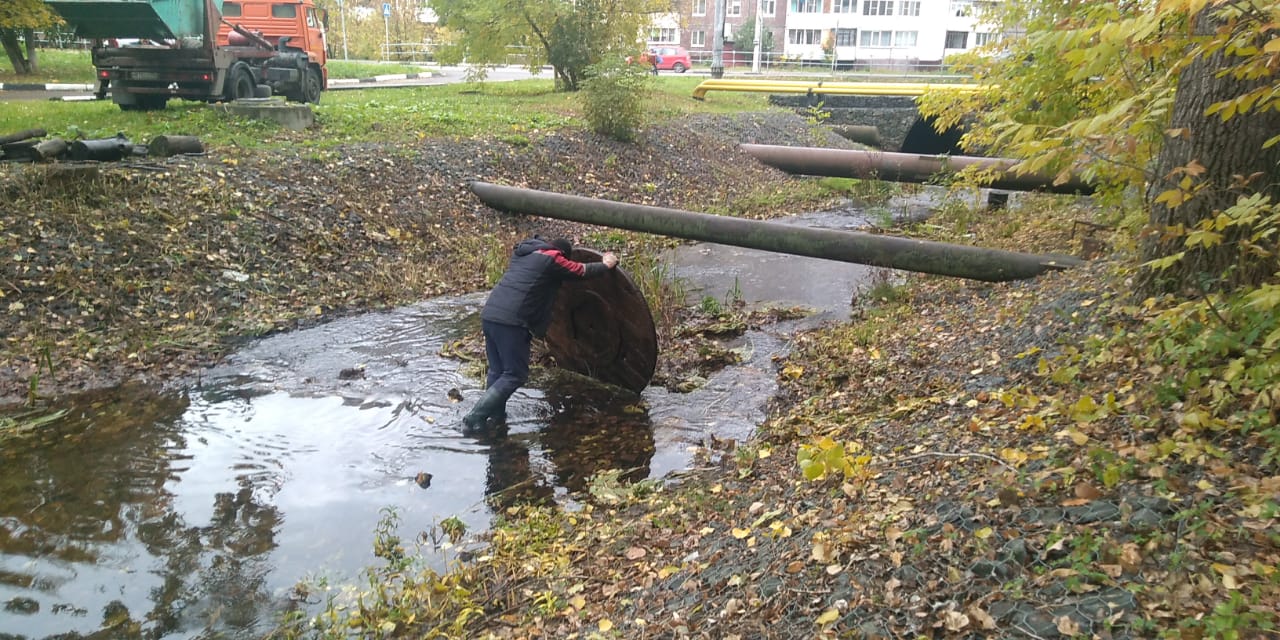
(531,245)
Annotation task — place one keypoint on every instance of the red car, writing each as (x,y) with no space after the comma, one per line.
(671,58)
(667,58)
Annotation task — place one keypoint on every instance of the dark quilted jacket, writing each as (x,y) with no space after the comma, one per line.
(527,290)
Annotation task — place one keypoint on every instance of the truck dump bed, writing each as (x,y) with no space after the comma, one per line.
(152,19)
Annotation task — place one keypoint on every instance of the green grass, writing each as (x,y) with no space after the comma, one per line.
(520,108)
(68,66)
(359,69)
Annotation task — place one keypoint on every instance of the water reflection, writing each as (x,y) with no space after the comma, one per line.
(90,536)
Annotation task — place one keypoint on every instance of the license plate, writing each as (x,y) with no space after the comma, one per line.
(144,75)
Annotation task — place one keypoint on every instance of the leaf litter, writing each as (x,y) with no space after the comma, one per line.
(988,460)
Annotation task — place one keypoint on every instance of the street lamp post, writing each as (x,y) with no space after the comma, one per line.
(756,43)
(717,43)
(342,15)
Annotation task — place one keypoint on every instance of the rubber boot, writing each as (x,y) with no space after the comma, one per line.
(491,403)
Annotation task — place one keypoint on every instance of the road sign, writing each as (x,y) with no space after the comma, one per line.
(386,9)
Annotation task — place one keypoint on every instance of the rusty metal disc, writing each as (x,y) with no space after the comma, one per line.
(602,327)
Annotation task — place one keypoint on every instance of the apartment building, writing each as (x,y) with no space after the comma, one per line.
(851,31)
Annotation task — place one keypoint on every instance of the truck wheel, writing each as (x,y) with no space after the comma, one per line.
(311,86)
(240,84)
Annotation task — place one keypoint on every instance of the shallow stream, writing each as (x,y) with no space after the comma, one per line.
(195,512)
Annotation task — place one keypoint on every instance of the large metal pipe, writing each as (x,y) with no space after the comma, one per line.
(962,261)
(902,167)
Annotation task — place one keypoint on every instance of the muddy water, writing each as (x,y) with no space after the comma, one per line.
(193,513)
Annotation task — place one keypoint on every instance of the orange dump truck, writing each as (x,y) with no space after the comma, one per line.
(212,50)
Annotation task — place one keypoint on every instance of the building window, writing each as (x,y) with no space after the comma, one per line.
(735,8)
(877,39)
(698,39)
(844,6)
(846,37)
(699,7)
(664,36)
(905,38)
(768,7)
(980,39)
(909,8)
(877,7)
(804,36)
(961,8)
(806,6)
(957,40)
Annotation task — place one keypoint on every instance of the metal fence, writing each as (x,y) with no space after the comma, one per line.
(409,52)
(60,39)
(772,61)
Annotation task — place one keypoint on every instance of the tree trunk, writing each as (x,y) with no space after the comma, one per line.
(9,38)
(1227,150)
(32,64)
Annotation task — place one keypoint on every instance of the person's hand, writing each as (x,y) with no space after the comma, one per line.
(609,260)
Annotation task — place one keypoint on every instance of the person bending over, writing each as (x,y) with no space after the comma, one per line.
(518,309)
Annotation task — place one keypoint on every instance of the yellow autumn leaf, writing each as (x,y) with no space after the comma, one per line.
(1013,456)
(577,602)
(827,617)
(605,625)
(741,533)
(1032,422)
(983,533)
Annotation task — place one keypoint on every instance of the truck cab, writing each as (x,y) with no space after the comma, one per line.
(293,28)
(300,22)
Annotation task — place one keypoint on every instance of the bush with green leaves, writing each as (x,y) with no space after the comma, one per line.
(613,98)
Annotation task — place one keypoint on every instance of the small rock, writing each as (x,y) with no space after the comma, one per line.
(1096,511)
(992,569)
(423,479)
(1016,550)
(353,373)
(1144,520)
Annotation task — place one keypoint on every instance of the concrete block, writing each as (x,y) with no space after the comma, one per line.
(295,116)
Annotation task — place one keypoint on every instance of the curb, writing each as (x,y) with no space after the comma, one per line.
(52,86)
(382,78)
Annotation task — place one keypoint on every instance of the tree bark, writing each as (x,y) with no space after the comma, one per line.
(9,39)
(1227,151)
(32,61)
